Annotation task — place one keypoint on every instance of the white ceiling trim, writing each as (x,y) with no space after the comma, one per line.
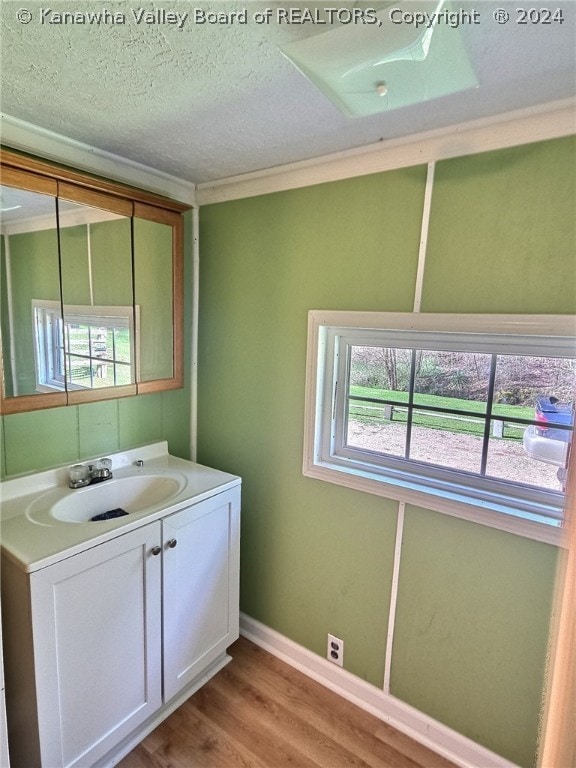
(525,126)
(26,137)
(512,129)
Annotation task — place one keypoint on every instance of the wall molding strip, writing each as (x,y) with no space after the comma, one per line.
(10,312)
(429,189)
(394,596)
(26,137)
(525,126)
(89,269)
(427,731)
(195,288)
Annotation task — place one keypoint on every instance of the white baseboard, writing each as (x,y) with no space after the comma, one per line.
(443,740)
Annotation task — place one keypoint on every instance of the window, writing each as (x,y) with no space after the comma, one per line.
(91,347)
(473,410)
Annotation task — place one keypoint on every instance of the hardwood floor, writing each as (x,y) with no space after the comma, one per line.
(261,713)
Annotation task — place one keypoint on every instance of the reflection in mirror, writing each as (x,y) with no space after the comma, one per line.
(98,319)
(29,272)
(153,288)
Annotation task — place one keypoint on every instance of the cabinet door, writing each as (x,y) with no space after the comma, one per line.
(201,559)
(97,647)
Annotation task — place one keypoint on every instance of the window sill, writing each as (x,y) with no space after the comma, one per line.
(501,514)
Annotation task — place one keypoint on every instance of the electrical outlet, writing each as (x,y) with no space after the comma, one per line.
(335,650)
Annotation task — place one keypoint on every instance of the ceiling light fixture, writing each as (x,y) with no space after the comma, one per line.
(355,65)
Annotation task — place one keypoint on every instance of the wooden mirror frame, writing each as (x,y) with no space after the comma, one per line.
(44,177)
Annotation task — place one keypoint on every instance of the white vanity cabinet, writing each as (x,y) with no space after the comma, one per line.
(102,645)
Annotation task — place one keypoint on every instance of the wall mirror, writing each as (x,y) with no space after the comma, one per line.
(91,282)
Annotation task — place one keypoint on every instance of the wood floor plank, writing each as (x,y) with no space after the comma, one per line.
(236,714)
(259,712)
(286,723)
(190,740)
(138,758)
(343,720)
(209,746)
(341,729)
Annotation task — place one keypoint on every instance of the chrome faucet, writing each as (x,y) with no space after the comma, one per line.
(81,475)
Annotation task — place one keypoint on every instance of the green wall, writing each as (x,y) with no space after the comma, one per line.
(34,275)
(509,246)
(109,246)
(39,440)
(474,603)
(153,293)
(471,629)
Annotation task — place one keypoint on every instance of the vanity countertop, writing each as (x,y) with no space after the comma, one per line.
(33,538)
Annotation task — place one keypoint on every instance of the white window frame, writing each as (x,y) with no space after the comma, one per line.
(528,513)
(45,317)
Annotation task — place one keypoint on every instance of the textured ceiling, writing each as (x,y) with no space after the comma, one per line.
(209,101)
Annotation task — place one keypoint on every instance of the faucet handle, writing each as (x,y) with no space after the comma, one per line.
(78,475)
(102,470)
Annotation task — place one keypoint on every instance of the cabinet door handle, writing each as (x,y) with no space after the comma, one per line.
(156,550)
(172,543)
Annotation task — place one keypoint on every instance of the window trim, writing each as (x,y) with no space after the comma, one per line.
(495,510)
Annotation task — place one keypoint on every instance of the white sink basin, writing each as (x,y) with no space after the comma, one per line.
(132,494)
(43,520)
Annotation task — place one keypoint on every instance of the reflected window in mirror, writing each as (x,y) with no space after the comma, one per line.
(99,348)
